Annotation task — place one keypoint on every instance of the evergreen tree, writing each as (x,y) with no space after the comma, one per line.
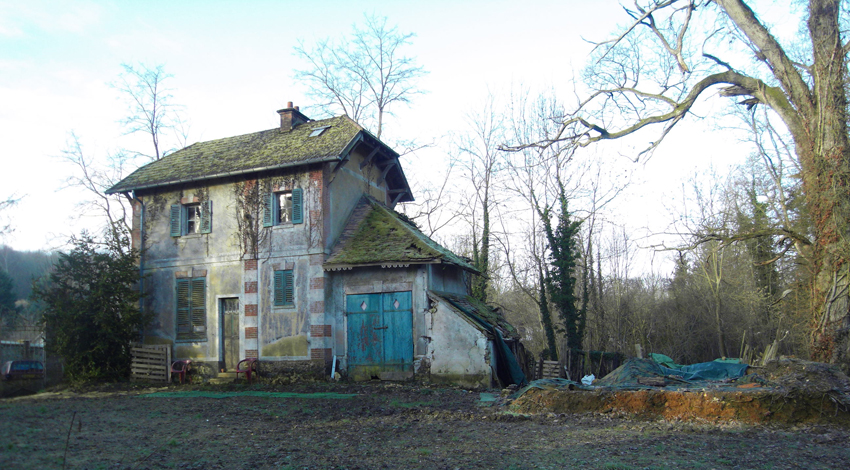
(564,253)
(8,312)
(92,309)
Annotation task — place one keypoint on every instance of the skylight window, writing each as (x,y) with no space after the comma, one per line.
(317,131)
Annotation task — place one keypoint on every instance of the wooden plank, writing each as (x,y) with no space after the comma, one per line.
(150,363)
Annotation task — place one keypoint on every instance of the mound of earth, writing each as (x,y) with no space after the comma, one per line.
(786,391)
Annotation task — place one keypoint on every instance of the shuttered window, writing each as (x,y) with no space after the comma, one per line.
(191,218)
(283,207)
(284,290)
(191,309)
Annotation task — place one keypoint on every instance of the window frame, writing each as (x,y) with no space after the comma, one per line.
(271,208)
(179,218)
(194,316)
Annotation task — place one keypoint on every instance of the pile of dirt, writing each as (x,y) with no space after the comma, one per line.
(785,391)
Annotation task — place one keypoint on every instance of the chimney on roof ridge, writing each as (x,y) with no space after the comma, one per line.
(290,117)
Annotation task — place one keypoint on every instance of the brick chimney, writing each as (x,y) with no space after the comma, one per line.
(290,117)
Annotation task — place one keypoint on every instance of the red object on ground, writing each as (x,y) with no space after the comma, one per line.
(250,367)
(181,367)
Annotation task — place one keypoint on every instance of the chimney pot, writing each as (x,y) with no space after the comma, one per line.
(289,104)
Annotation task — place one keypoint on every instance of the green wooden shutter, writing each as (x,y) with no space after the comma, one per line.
(289,288)
(184,325)
(297,206)
(206,217)
(176,226)
(268,210)
(279,289)
(199,310)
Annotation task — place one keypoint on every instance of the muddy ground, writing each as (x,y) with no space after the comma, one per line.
(374,425)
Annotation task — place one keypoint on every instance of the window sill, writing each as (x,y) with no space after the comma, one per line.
(184,341)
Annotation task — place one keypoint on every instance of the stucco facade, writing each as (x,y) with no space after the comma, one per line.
(267,261)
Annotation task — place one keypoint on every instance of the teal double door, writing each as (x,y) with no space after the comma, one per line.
(380,335)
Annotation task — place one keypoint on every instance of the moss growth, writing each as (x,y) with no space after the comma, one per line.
(381,235)
(190,352)
(265,149)
(157,340)
(289,346)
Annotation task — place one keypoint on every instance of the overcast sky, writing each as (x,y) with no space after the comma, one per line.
(232,66)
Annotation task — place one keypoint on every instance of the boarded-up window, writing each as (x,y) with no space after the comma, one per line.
(191,309)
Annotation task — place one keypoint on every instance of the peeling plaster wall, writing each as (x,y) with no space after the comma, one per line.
(272,333)
(459,353)
(347,184)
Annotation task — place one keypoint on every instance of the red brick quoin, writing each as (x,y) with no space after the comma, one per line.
(251,332)
(321,353)
(251,353)
(251,287)
(250,265)
(318,331)
(250,310)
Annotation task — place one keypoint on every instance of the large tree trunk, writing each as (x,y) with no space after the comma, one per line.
(826,173)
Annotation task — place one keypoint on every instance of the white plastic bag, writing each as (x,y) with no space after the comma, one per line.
(588,379)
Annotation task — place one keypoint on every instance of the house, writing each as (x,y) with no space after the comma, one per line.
(283,245)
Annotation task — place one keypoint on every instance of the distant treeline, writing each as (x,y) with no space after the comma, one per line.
(25,266)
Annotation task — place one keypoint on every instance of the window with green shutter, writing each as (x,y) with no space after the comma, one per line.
(187,219)
(284,290)
(191,309)
(283,208)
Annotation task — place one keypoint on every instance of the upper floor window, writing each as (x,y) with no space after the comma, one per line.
(284,207)
(191,218)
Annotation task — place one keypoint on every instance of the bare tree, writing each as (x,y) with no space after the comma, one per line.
(149,112)
(5,222)
(362,75)
(651,75)
(149,107)
(479,160)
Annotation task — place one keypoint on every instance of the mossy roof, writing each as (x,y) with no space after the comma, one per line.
(376,235)
(247,153)
(477,312)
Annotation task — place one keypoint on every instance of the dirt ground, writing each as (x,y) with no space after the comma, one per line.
(373,425)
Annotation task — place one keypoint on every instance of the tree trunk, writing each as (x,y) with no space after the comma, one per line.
(825,160)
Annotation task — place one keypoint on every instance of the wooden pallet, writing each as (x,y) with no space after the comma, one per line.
(550,370)
(151,363)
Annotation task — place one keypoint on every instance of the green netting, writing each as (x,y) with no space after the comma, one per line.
(204,394)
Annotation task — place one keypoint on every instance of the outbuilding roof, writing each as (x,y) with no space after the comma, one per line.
(479,314)
(376,235)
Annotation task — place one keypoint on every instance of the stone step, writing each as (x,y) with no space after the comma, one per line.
(223,378)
